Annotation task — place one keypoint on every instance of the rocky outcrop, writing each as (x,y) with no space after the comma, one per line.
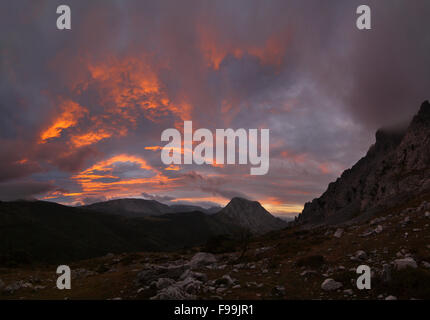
(396,168)
(249,215)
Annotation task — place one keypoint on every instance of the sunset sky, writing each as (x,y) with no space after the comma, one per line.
(82,110)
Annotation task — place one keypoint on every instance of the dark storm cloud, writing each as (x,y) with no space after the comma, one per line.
(299,68)
(214,186)
(24,190)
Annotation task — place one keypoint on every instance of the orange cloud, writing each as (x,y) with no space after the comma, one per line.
(130,85)
(72,112)
(101,178)
(89,138)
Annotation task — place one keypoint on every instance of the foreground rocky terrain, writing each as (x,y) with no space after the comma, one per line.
(293,263)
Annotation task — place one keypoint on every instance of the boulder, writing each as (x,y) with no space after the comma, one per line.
(338,233)
(201,259)
(401,264)
(330,285)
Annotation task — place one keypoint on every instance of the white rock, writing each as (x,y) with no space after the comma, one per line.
(401,264)
(379,229)
(201,259)
(338,233)
(424,263)
(330,284)
(391,298)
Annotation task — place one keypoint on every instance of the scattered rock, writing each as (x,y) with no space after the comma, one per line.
(261,250)
(400,264)
(82,273)
(367,234)
(279,291)
(172,293)
(424,263)
(162,283)
(338,233)
(15,286)
(308,273)
(330,285)
(154,272)
(361,255)
(379,229)
(348,292)
(225,280)
(195,275)
(201,259)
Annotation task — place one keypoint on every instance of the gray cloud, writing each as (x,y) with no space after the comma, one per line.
(157,197)
(24,190)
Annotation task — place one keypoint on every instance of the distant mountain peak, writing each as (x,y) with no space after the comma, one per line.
(131,207)
(249,215)
(137,207)
(243,201)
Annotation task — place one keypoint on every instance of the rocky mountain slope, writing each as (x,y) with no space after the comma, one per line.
(249,215)
(395,169)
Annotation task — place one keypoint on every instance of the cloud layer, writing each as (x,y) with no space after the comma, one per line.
(83,110)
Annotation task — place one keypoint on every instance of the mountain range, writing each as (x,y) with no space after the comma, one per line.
(131,207)
(49,232)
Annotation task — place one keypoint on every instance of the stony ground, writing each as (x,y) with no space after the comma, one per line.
(289,264)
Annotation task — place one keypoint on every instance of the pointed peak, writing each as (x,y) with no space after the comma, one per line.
(424,109)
